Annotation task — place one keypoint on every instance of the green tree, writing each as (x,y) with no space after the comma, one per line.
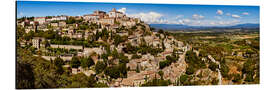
(190,70)
(100,66)
(87,62)
(163,64)
(24,76)
(184,79)
(213,66)
(224,68)
(135,56)
(137,68)
(160,31)
(75,62)
(112,71)
(236,77)
(161,73)
(116,71)
(58,62)
(70,20)
(122,69)
(123,58)
(117,40)
(80,80)
(115,53)
(194,62)
(101,85)
(157,82)
(249,77)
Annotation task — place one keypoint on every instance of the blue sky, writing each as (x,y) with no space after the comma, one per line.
(194,15)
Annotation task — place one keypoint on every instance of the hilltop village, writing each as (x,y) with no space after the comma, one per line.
(111,50)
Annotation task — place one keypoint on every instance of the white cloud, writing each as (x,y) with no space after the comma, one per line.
(245,13)
(210,22)
(231,22)
(196,20)
(162,21)
(21,14)
(218,17)
(228,14)
(123,10)
(179,16)
(219,12)
(150,17)
(236,16)
(196,16)
(186,20)
(226,23)
(181,22)
(199,23)
(158,18)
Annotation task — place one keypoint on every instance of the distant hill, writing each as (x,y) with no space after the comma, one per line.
(170,26)
(248,25)
(186,27)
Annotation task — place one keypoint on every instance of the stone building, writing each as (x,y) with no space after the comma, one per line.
(37,42)
(40,20)
(115,14)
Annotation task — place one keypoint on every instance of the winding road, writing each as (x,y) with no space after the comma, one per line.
(219,73)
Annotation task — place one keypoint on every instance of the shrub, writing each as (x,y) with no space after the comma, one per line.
(213,66)
(75,63)
(236,77)
(100,66)
(190,70)
(87,62)
(135,56)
